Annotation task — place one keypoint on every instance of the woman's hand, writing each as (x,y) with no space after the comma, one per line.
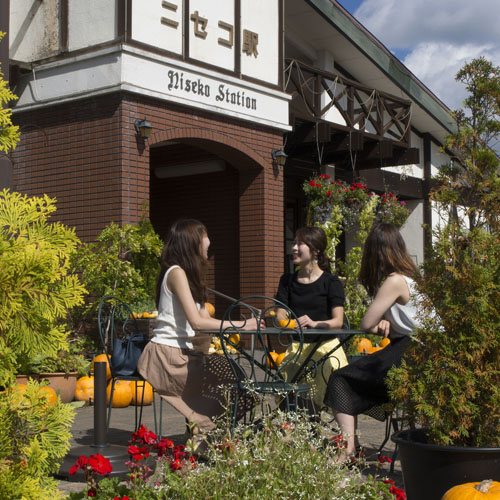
(251,324)
(383,328)
(306,322)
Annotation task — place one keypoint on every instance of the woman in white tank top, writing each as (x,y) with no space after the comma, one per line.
(386,273)
(188,379)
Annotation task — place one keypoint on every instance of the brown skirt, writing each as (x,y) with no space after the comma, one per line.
(191,381)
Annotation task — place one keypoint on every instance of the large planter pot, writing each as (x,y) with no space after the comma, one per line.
(430,470)
(63,383)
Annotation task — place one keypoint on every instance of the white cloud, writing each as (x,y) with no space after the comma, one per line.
(439,36)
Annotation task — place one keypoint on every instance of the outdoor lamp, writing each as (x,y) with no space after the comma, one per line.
(143,128)
(279,156)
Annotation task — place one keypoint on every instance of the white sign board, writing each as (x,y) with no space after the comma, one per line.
(210,28)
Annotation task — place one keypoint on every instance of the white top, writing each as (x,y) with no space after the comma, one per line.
(172,326)
(403,319)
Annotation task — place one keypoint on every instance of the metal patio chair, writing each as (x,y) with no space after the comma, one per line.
(256,372)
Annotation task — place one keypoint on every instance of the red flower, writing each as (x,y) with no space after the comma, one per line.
(100,465)
(328,193)
(389,481)
(400,494)
(287,426)
(138,453)
(176,464)
(162,446)
(92,492)
(312,183)
(382,459)
(79,464)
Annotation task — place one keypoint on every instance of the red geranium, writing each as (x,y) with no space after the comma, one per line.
(79,464)
(99,464)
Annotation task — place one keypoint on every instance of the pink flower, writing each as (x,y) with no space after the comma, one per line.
(403,203)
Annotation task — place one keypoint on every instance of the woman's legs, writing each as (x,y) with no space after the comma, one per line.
(347,424)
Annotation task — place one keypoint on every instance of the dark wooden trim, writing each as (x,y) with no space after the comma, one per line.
(381,180)
(128,20)
(426,187)
(237,38)
(64,25)
(122,20)
(4,44)
(187,30)
(281,44)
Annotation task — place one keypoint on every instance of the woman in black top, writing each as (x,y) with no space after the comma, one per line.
(317,299)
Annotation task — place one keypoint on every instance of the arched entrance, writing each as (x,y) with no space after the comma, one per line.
(212,181)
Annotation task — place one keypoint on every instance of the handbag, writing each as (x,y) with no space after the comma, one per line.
(126,354)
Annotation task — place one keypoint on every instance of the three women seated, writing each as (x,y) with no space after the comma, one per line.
(186,377)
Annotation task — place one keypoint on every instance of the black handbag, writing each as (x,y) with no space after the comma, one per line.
(126,354)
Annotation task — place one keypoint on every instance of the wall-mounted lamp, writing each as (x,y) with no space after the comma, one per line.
(279,157)
(143,128)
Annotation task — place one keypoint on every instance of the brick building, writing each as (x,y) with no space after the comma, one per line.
(224,84)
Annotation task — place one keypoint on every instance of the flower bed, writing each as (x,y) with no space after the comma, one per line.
(287,457)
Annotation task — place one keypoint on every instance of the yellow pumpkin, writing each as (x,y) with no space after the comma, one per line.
(486,489)
(287,323)
(210,308)
(234,339)
(122,395)
(84,389)
(49,394)
(102,358)
(148,393)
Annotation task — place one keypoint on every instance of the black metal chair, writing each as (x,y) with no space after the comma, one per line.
(116,321)
(256,372)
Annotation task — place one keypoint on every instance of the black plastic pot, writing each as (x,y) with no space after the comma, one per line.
(430,470)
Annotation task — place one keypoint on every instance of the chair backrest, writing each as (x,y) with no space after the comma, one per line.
(255,363)
(117,328)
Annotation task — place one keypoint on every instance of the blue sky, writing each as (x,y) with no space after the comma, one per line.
(434,38)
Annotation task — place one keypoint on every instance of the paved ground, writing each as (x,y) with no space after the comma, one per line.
(122,424)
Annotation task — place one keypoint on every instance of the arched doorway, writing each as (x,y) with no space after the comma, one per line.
(198,178)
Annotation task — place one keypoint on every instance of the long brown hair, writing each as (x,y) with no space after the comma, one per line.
(183,248)
(315,239)
(384,253)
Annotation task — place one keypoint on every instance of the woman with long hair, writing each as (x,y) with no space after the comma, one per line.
(186,378)
(317,298)
(387,273)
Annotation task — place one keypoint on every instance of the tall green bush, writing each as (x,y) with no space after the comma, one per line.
(450,383)
(37,286)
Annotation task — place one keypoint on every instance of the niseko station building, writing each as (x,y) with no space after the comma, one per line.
(183,108)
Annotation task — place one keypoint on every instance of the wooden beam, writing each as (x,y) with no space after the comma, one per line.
(381,180)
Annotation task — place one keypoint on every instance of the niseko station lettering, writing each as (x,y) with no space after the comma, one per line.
(224,93)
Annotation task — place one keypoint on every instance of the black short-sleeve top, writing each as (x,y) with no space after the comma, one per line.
(315,299)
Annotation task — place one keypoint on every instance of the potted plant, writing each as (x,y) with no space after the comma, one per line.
(61,371)
(449,383)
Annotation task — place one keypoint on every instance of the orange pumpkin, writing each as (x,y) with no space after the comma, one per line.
(287,323)
(84,389)
(210,308)
(122,395)
(384,342)
(474,491)
(375,349)
(272,355)
(48,393)
(141,387)
(363,345)
(102,358)
(280,357)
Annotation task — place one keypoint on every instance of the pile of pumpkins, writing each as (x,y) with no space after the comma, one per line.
(124,393)
(365,346)
(145,315)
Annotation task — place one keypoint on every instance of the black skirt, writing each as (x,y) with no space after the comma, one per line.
(360,387)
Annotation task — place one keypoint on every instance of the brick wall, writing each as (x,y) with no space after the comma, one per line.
(87,155)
